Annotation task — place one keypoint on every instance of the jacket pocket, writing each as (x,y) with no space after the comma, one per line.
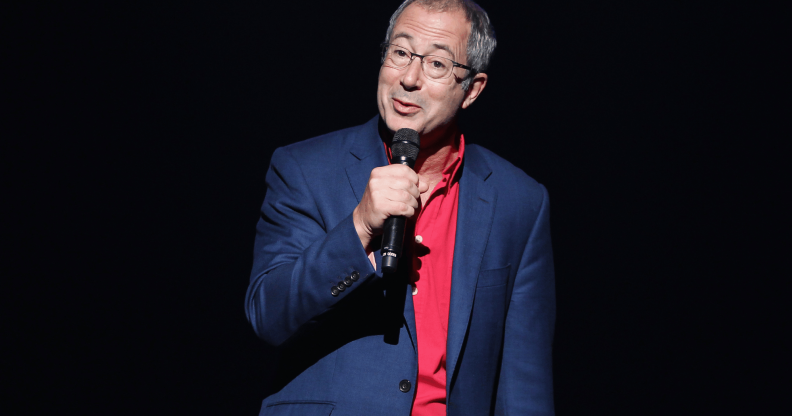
(494,277)
(298,408)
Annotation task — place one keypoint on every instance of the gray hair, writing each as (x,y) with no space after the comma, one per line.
(481,41)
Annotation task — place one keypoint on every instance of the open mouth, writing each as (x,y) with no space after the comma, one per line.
(405,107)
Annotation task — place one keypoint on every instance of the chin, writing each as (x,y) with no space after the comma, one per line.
(396,122)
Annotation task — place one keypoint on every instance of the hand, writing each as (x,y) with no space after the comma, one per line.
(391,190)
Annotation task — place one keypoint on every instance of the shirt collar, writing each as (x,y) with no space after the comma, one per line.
(451,169)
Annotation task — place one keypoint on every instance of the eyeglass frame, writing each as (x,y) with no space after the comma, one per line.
(413,55)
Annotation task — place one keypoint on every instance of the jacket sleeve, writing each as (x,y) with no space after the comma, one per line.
(526,377)
(297,259)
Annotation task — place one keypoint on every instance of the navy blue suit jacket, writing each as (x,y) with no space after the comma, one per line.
(345,354)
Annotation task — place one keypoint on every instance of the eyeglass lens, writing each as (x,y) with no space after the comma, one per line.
(433,66)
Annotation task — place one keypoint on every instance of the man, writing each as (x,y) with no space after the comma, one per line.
(465,326)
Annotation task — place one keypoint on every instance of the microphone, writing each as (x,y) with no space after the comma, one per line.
(404,150)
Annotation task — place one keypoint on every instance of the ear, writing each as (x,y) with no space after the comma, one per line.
(477,85)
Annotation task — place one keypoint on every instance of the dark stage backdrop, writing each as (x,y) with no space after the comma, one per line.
(138,137)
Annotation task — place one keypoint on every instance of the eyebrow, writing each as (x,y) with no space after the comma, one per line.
(436,45)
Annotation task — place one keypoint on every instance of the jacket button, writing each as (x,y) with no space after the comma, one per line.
(341,287)
(334,291)
(348,281)
(354,276)
(404,386)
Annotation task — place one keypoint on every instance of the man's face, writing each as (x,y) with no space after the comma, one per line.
(407,97)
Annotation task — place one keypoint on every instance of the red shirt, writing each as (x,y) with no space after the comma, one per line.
(432,251)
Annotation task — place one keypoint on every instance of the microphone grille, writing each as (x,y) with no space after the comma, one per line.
(406,143)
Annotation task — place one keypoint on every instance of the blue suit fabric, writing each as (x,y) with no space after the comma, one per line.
(345,354)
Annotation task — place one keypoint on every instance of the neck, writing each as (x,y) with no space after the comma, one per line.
(437,150)
(437,153)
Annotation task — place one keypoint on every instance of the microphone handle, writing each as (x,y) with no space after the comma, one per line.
(393,231)
(392,242)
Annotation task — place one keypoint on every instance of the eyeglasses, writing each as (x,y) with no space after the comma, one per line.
(435,67)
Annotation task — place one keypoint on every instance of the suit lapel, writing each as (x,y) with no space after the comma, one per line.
(474,221)
(365,153)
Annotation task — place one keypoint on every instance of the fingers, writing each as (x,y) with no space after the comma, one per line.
(396,171)
(392,190)
(404,191)
(397,178)
(389,201)
(404,185)
(406,209)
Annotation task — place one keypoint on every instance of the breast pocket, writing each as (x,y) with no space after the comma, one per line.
(494,277)
(298,408)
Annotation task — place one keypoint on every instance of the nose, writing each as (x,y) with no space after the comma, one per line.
(411,77)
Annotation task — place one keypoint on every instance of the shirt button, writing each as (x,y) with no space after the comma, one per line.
(405,386)
(415,290)
(418,239)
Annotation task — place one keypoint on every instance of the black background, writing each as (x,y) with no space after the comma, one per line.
(140,135)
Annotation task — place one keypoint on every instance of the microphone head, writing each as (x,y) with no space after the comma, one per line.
(406,143)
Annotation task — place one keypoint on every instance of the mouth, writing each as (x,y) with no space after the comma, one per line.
(405,107)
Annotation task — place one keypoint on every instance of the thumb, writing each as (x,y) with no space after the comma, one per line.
(422,186)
